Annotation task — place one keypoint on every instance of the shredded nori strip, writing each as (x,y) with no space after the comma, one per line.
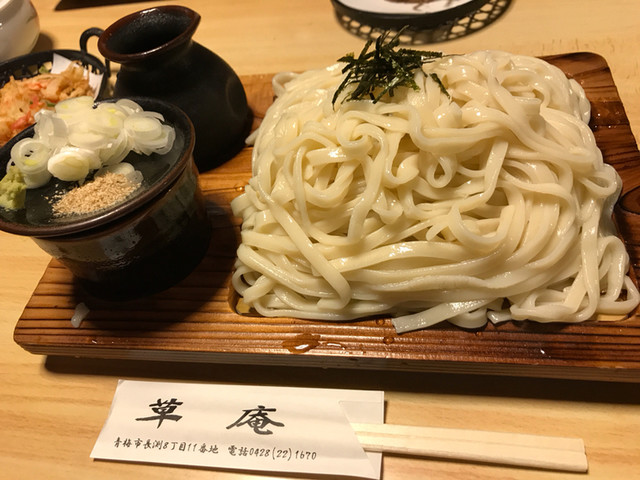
(379,72)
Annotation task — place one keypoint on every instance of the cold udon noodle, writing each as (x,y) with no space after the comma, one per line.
(488,202)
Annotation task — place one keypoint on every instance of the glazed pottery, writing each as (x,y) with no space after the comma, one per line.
(142,245)
(158,58)
(19,28)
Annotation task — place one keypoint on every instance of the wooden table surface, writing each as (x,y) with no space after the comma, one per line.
(52,408)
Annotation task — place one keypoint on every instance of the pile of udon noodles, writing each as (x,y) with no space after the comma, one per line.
(490,202)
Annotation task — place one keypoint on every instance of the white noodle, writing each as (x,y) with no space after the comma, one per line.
(491,203)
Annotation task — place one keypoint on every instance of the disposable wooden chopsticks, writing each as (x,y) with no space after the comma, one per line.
(533,451)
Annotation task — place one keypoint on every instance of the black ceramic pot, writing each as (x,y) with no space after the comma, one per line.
(144,252)
(141,246)
(159,59)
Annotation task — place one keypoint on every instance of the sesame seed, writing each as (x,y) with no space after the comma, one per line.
(102,192)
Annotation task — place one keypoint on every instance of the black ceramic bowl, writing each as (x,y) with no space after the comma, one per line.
(143,245)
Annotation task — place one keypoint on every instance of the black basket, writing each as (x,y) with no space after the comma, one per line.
(421,28)
(32,64)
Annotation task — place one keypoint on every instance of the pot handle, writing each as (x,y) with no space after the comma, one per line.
(84,38)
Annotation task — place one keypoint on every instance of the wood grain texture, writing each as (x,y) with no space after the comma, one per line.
(194,320)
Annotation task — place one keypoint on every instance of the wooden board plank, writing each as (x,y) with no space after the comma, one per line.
(194,321)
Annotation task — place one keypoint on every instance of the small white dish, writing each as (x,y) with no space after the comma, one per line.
(19,28)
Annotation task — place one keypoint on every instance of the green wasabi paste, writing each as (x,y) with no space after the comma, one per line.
(13,190)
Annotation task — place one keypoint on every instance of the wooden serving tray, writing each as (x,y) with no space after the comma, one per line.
(194,320)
